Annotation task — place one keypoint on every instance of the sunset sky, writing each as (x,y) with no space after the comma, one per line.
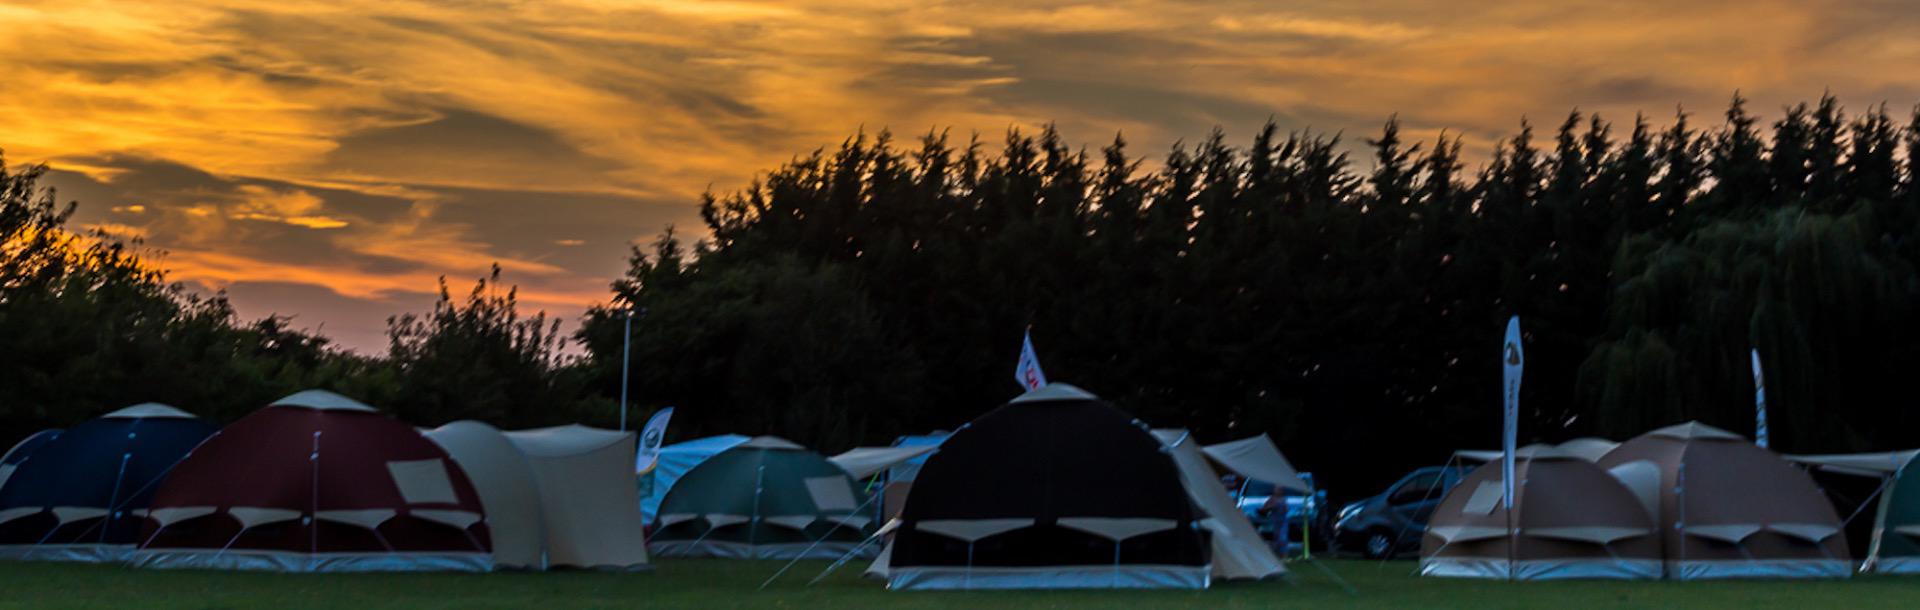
(329,160)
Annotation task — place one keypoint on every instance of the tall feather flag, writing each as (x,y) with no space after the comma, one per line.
(651,438)
(1515,359)
(1027,372)
(1759,403)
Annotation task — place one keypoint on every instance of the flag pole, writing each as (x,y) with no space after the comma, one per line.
(1759,403)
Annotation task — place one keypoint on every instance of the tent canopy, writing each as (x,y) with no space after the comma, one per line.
(1859,464)
(861,462)
(1257,458)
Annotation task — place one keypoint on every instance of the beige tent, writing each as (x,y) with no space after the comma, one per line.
(1257,458)
(1729,509)
(1570,519)
(1238,550)
(588,500)
(503,479)
(862,462)
(555,497)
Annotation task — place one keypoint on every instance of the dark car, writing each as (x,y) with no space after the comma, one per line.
(1394,521)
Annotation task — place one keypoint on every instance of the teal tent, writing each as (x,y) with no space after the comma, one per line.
(767,498)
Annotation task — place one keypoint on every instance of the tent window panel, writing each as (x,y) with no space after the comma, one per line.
(423,481)
(831,493)
(1485,498)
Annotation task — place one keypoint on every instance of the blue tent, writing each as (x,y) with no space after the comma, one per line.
(10,461)
(676,460)
(82,495)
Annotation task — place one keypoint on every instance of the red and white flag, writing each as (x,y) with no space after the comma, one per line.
(1027,373)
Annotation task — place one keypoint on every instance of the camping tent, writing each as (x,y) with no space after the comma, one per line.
(1895,547)
(675,460)
(316,482)
(1238,550)
(764,499)
(588,505)
(1570,519)
(900,476)
(78,496)
(1729,509)
(1056,489)
(505,483)
(10,461)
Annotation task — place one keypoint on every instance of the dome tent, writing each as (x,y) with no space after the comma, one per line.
(317,482)
(1056,489)
(1570,519)
(10,461)
(80,495)
(674,462)
(767,498)
(1729,509)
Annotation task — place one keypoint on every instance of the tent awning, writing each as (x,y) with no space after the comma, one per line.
(1257,458)
(860,462)
(1858,464)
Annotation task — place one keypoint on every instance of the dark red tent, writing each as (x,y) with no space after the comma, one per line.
(316,482)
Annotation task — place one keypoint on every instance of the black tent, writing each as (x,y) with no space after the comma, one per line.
(1056,489)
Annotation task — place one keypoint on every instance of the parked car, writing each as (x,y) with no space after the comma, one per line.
(1394,521)
(1261,502)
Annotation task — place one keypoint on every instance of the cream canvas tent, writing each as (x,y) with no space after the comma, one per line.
(555,497)
(1238,550)
(503,479)
(587,497)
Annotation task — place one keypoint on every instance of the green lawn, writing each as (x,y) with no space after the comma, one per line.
(708,583)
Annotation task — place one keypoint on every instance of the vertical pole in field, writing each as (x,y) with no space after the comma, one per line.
(626,359)
(1759,403)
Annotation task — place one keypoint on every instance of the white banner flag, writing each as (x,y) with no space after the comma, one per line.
(651,438)
(1027,373)
(1759,403)
(1515,358)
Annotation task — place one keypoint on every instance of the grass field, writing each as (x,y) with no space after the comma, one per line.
(706,583)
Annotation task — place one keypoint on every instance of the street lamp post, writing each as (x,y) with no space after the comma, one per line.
(626,366)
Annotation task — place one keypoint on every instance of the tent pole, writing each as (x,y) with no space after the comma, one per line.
(844,558)
(816,543)
(115,498)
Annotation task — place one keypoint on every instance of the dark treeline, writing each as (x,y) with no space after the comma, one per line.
(87,326)
(1350,307)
